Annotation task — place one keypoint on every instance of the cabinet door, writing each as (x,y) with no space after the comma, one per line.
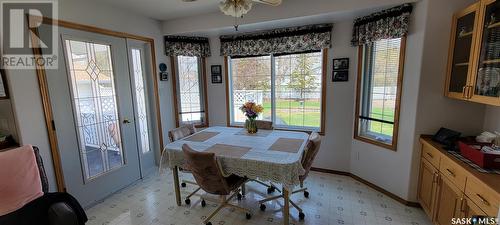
(449,202)
(427,186)
(460,57)
(470,209)
(485,82)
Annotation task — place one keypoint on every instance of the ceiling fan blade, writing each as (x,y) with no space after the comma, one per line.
(269,2)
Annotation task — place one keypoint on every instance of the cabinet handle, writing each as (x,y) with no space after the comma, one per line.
(450,172)
(483,200)
(430,155)
(462,205)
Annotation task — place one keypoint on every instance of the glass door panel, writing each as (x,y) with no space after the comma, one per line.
(95,107)
(487,82)
(140,100)
(463,36)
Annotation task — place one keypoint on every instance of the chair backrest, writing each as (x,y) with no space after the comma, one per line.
(181,132)
(206,171)
(312,149)
(264,125)
(41,170)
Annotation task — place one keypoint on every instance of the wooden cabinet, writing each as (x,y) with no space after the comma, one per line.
(427,186)
(448,202)
(473,72)
(448,188)
(470,209)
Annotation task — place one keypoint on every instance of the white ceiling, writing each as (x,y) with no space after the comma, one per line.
(166,9)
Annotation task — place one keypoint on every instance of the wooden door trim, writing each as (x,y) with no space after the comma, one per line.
(44,92)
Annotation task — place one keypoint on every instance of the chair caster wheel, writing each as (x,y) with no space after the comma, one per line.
(262,207)
(270,190)
(301,215)
(183,185)
(248,216)
(209,223)
(239,196)
(187,201)
(306,194)
(203,203)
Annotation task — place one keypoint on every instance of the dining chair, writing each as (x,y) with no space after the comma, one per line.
(310,153)
(264,124)
(209,176)
(177,134)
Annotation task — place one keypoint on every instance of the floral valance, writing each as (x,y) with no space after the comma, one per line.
(389,23)
(279,41)
(187,46)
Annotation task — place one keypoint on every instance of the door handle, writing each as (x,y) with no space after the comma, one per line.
(125,121)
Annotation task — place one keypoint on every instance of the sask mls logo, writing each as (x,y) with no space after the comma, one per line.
(23,31)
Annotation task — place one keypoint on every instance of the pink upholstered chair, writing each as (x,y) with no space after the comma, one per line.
(312,148)
(208,175)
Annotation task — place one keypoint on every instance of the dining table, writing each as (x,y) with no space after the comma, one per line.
(267,156)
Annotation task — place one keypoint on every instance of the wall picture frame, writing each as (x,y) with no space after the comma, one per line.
(341,64)
(4,92)
(340,76)
(340,72)
(216,72)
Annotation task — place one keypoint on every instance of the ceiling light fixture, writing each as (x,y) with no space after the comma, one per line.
(236,9)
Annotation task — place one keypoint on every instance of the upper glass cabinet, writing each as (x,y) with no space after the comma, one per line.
(461,51)
(485,85)
(474,57)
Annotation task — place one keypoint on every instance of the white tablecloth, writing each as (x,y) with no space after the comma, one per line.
(258,163)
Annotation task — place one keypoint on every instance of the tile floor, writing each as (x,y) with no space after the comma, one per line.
(334,199)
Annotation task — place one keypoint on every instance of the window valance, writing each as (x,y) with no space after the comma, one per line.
(187,46)
(389,23)
(279,41)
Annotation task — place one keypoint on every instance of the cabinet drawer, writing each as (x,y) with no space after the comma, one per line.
(431,154)
(484,197)
(454,172)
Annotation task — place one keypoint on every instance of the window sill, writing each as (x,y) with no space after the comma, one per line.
(309,131)
(392,147)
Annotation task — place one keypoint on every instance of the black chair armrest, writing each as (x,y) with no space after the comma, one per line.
(62,214)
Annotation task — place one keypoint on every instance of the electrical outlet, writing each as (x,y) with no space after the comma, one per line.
(4,124)
(357,155)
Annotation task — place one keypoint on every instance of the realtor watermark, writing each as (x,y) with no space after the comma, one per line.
(475,220)
(23,30)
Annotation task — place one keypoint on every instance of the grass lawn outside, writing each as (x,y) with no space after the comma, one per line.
(291,112)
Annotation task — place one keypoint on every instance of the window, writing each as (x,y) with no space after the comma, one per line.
(190,89)
(379,91)
(140,100)
(289,87)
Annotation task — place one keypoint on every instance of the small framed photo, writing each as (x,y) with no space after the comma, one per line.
(216,71)
(4,93)
(341,75)
(341,64)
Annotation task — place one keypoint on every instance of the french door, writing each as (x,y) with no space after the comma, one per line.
(96,103)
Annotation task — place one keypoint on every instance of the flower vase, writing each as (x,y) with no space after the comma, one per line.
(251,125)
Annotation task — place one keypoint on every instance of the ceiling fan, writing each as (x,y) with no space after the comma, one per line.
(238,8)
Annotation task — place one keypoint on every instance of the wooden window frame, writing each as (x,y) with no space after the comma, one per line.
(173,69)
(393,145)
(324,68)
